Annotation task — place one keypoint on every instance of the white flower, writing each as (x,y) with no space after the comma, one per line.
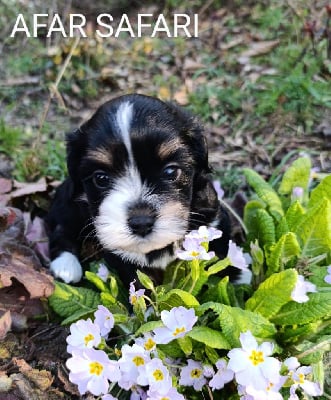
(84,334)
(301,288)
(132,360)
(270,392)
(105,320)
(135,294)
(172,394)
(252,365)
(205,234)
(103,272)
(193,250)
(236,256)
(92,370)
(298,374)
(192,375)
(147,342)
(327,278)
(108,397)
(222,376)
(156,376)
(178,321)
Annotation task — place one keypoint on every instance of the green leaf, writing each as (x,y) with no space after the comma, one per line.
(273,293)
(314,230)
(176,298)
(149,326)
(293,215)
(266,193)
(279,254)
(209,337)
(97,281)
(234,320)
(312,352)
(145,280)
(185,343)
(297,174)
(73,302)
(318,307)
(321,191)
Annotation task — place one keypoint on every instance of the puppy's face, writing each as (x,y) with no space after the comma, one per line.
(137,161)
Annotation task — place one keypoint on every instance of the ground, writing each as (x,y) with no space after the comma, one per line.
(258,76)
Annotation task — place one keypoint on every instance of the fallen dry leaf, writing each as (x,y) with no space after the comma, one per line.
(26,188)
(257,49)
(41,378)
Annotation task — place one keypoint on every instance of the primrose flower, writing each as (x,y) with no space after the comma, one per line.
(297,193)
(193,250)
(327,278)
(135,294)
(192,375)
(147,342)
(84,334)
(178,321)
(105,320)
(301,288)
(270,392)
(91,370)
(252,365)
(205,234)
(156,376)
(103,272)
(172,394)
(108,397)
(222,376)
(134,358)
(236,256)
(298,374)
(218,189)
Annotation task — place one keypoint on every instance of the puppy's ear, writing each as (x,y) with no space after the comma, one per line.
(76,148)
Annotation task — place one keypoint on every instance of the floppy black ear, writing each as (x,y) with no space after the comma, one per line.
(76,148)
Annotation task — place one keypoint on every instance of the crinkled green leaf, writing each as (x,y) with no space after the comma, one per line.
(321,191)
(145,280)
(266,193)
(97,281)
(149,326)
(185,343)
(312,352)
(314,230)
(73,303)
(318,307)
(273,293)
(234,320)
(209,337)
(176,298)
(293,215)
(297,175)
(279,254)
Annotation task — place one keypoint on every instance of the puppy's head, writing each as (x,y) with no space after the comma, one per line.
(142,166)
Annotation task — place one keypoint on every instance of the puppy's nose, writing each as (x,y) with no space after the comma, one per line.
(141,224)
(141,221)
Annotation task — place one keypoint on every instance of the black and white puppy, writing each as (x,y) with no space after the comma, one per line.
(139,180)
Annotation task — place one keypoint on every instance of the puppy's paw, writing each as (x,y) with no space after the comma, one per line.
(67,267)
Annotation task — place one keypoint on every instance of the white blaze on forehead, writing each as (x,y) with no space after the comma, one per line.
(124,115)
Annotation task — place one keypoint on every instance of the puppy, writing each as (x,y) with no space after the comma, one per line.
(139,180)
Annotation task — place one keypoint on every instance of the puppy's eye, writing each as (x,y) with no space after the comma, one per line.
(171,173)
(101,179)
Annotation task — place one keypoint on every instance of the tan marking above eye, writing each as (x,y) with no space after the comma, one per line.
(101,155)
(167,148)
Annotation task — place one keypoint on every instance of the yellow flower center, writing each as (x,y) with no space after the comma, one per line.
(165,398)
(96,368)
(178,331)
(158,375)
(149,344)
(194,253)
(137,360)
(301,379)
(88,338)
(256,357)
(270,386)
(133,300)
(196,373)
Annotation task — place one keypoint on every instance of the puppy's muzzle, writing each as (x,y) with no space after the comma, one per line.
(141,219)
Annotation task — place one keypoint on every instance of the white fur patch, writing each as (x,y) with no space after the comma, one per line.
(123,119)
(245,277)
(112,222)
(67,267)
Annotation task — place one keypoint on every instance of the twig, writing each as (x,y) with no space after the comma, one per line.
(54,88)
